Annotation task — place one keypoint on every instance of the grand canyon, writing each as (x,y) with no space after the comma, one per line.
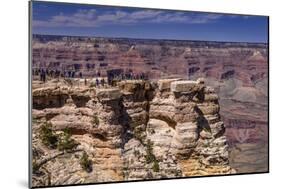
(201,109)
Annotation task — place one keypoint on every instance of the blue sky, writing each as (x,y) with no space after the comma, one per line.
(104,21)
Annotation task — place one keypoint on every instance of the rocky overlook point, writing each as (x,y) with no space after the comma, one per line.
(139,129)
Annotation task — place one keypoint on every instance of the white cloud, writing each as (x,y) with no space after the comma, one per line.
(91,18)
(145,14)
(85,14)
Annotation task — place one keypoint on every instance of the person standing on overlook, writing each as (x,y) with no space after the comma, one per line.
(97,82)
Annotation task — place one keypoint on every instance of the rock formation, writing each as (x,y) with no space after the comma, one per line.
(237,71)
(138,130)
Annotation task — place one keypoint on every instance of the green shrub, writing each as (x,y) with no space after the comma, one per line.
(155,166)
(66,142)
(138,133)
(34,120)
(85,163)
(206,144)
(150,157)
(95,120)
(47,136)
(35,166)
(149,152)
(207,129)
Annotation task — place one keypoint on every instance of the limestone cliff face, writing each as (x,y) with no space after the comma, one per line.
(138,130)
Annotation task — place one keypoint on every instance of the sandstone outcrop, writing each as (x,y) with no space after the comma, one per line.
(137,130)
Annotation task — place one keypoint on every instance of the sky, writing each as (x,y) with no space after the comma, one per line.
(105,21)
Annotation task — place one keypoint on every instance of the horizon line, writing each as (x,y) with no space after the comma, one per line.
(155,39)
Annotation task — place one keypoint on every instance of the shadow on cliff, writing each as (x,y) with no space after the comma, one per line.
(134,128)
(201,121)
(125,121)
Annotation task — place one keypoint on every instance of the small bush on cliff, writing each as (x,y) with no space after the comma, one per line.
(95,120)
(149,154)
(155,166)
(35,166)
(66,142)
(138,133)
(207,129)
(47,136)
(85,163)
(35,121)
(150,157)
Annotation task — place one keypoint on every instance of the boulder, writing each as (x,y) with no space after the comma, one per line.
(108,94)
(184,86)
(131,86)
(165,84)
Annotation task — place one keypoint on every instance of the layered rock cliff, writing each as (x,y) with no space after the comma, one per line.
(137,130)
(220,60)
(237,71)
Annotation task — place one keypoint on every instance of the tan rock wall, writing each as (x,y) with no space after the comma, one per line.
(134,132)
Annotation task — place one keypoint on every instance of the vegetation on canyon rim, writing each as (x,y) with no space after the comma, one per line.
(150,157)
(95,120)
(139,134)
(35,166)
(47,136)
(85,163)
(61,141)
(65,142)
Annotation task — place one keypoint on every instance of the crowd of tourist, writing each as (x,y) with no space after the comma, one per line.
(43,73)
(111,78)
